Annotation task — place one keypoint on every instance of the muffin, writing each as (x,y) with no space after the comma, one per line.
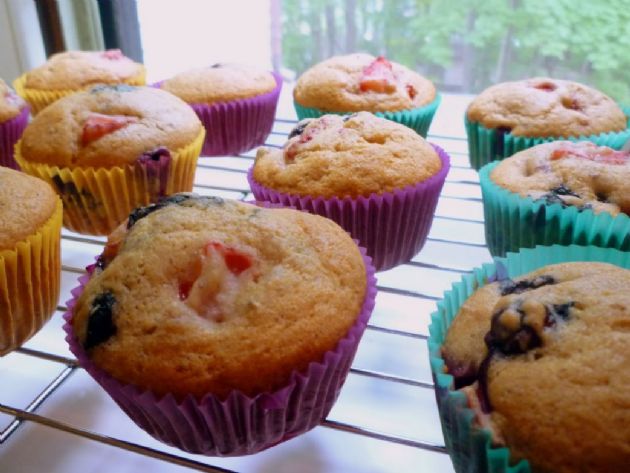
(530,368)
(235,103)
(377,179)
(13,120)
(30,268)
(239,323)
(512,116)
(560,192)
(111,149)
(361,82)
(73,71)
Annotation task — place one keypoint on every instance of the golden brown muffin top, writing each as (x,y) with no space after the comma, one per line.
(109,126)
(356,155)
(220,83)
(546,107)
(557,381)
(26,203)
(362,82)
(207,296)
(81,69)
(11,104)
(572,174)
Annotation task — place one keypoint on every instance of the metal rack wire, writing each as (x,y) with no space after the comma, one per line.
(456,245)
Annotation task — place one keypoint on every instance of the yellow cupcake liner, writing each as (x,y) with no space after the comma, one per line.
(40,99)
(97,200)
(30,277)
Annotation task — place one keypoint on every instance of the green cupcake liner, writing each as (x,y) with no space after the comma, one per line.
(513,222)
(418,119)
(489,144)
(469,446)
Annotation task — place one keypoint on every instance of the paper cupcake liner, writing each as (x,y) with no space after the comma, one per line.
(490,144)
(418,119)
(238,425)
(513,222)
(30,276)
(40,99)
(97,200)
(10,132)
(470,446)
(239,125)
(392,226)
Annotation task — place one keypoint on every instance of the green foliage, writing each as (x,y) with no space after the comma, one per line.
(466,45)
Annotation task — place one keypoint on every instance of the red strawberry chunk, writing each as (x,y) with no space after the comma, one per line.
(603,155)
(98,125)
(411,91)
(235,261)
(112,54)
(378,77)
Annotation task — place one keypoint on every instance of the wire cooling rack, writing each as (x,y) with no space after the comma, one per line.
(55,418)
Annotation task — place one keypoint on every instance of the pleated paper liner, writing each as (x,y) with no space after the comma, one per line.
(418,119)
(513,222)
(40,99)
(238,125)
(97,200)
(239,424)
(490,144)
(29,283)
(392,226)
(471,447)
(10,132)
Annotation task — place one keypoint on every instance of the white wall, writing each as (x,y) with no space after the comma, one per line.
(182,34)
(21,44)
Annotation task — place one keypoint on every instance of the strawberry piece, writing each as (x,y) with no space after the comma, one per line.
(546,86)
(378,77)
(603,155)
(235,261)
(411,91)
(98,125)
(112,54)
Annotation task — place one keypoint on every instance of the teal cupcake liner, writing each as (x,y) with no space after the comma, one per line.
(470,447)
(490,144)
(418,119)
(513,222)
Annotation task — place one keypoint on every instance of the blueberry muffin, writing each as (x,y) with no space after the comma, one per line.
(202,300)
(72,71)
(542,360)
(559,192)
(358,158)
(30,271)
(512,116)
(362,82)
(236,103)
(13,120)
(111,149)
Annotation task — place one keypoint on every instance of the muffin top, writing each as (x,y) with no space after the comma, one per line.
(362,82)
(552,373)
(578,174)
(220,83)
(109,126)
(26,203)
(544,107)
(11,104)
(205,295)
(353,156)
(81,69)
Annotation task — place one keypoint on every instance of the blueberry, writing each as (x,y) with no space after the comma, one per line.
(72,196)
(156,154)
(299,128)
(216,65)
(553,196)
(183,198)
(508,340)
(557,313)
(100,327)
(508,286)
(348,117)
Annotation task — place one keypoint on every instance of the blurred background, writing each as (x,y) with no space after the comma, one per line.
(462,45)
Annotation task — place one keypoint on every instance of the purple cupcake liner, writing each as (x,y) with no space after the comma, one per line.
(239,125)
(239,424)
(392,226)
(10,132)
